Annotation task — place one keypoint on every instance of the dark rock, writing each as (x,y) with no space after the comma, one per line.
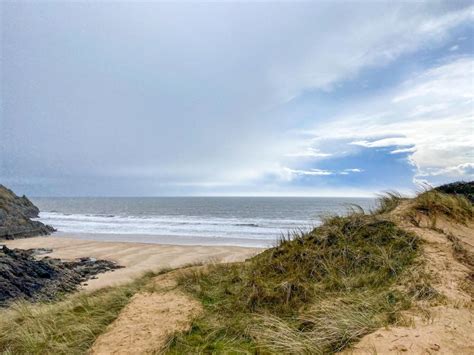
(22,276)
(40,251)
(15,217)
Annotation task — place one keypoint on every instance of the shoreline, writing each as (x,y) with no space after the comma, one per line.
(136,257)
(169,239)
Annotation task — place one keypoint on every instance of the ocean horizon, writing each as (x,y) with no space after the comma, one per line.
(240,221)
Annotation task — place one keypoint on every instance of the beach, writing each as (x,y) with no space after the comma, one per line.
(137,258)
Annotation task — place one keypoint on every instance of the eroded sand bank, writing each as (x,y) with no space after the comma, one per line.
(136,257)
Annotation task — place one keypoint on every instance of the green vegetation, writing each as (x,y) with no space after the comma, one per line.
(69,326)
(433,204)
(459,188)
(388,202)
(313,294)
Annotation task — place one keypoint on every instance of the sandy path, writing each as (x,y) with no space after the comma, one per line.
(136,257)
(147,322)
(449,329)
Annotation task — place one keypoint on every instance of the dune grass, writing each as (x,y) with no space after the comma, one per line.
(68,326)
(433,203)
(388,202)
(312,294)
(463,188)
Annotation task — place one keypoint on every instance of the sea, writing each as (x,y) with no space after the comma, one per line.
(240,221)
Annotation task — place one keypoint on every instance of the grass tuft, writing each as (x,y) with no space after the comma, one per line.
(463,188)
(433,204)
(330,325)
(69,326)
(388,202)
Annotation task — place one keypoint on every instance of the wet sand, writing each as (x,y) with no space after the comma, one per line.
(136,257)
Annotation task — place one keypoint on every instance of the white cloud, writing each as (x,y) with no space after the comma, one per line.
(466,169)
(292,173)
(349,171)
(385,142)
(439,140)
(375,41)
(311,172)
(403,150)
(308,152)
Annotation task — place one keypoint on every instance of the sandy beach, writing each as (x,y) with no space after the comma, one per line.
(136,257)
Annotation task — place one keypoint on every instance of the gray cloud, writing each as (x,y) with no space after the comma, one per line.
(133,98)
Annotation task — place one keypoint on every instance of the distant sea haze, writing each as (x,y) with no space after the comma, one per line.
(243,221)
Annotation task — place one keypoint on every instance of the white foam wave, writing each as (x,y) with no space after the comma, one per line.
(195,226)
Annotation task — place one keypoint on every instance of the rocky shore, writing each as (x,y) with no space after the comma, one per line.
(24,276)
(28,274)
(15,217)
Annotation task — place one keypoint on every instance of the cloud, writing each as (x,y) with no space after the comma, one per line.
(349,171)
(135,98)
(403,150)
(312,172)
(374,42)
(385,142)
(309,152)
(461,170)
(292,173)
(438,141)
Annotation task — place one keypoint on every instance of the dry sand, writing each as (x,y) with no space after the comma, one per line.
(445,328)
(150,319)
(136,257)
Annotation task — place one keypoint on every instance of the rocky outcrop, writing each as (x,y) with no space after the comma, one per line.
(22,276)
(15,217)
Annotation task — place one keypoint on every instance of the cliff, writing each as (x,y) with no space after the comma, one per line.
(15,217)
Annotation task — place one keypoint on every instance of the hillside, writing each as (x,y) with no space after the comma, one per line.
(442,321)
(397,279)
(15,217)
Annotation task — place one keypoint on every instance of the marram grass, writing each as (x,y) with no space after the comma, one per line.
(314,294)
(68,326)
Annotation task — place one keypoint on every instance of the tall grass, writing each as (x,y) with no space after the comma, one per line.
(388,202)
(433,204)
(330,325)
(463,188)
(69,326)
(310,294)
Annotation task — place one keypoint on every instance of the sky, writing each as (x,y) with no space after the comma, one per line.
(333,98)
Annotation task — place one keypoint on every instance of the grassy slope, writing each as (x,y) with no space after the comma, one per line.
(320,291)
(312,294)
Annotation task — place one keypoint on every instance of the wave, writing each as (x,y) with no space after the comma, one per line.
(174,225)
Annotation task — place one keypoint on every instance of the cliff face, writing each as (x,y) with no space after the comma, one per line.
(15,217)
